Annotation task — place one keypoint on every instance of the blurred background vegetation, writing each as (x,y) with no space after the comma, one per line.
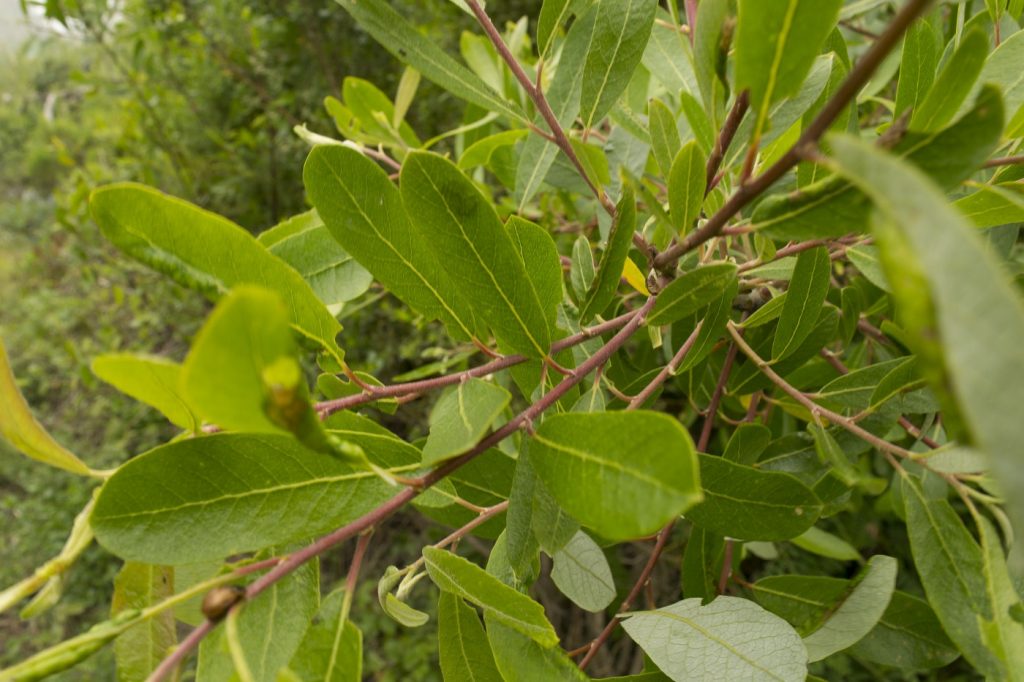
(198,99)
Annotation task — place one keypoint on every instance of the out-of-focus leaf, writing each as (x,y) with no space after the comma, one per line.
(139,650)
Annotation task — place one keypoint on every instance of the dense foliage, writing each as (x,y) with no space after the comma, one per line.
(721,313)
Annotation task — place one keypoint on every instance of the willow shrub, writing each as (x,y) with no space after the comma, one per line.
(737,280)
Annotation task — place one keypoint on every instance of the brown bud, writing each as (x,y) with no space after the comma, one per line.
(218,600)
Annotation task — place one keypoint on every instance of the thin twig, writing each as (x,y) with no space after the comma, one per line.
(1004,161)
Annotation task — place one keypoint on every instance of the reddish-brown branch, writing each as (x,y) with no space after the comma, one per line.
(846,93)
(725,137)
(1004,161)
(648,390)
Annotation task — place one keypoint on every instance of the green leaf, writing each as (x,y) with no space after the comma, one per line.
(707,42)
(1003,69)
(404,41)
(831,454)
(825,544)
(712,329)
(236,492)
(747,443)
(20,428)
(461,225)
(804,300)
(203,251)
(622,30)
(733,637)
(1004,634)
(749,504)
(461,417)
(866,260)
(908,635)
(624,474)
(918,64)
(462,643)
(858,612)
(223,375)
(980,314)
(543,266)
(669,58)
(687,181)
(993,205)
(140,649)
(375,112)
(776,44)
(953,84)
(952,571)
(482,151)
(665,143)
(581,572)
(692,291)
(462,578)
(553,15)
(521,659)
(702,564)
(395,608)
(152,380)
(270,629)
(363,210)
(833,207)
(609,271)
(305,243)
(332,648)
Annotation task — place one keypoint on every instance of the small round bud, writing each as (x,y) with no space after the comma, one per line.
(218,600)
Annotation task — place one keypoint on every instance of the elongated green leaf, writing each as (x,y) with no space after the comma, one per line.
(833,207)
(979,312)
(482,151)
(691,292)
(707,41)
(804,299)
(332,648)
(748,504)
(20,428)
(952,571)
(776,43)
(543,266)
(825,544)
(918,63)
(139,650)
(400,38)
(866,260)
(854,390)
(858,612)
(669,58)
(624,474)
(270,629)
(204,251)
(305,243)
(152,380)
(238,492)
(735,638)
(831,454)
(1003,69)
(702,564)
(553,15)
(461,418)
(581,572)
(564,97)
(1004,634)
(364,212)
(993,205)
(223,376)
(460,224)
(609,271)
(908,635)
(521,659)
(621,33)
(712,329)
(462,643)
(953,84)
(374,112)
(686,183)
(665,142)
(462,578)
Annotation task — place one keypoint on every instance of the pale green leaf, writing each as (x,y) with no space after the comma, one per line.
(152,380)
(482,151)
(692,291)
(664,131)
(687,181)
(622,30)
(238,492)
(460,224)
(364,212)
(462,643)
(20,428)
(826,544)
(400,38)
(750,504)
(332,648)
(735,638)
(953,84)
(624,474)
(581,572)
(993,205)
(451,573)
(804,300)
(139,650)
(462,417)
(1004,634)
(204,251)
